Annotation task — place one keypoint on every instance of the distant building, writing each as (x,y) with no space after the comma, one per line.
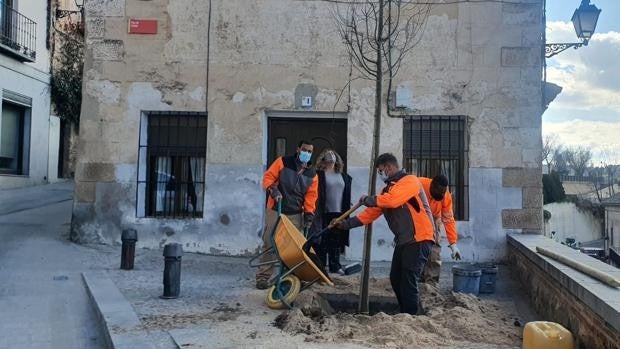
(612,221)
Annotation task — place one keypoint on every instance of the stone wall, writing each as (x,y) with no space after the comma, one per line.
(482,60)
(560,294)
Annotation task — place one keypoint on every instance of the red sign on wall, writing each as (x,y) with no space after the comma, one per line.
(142,26)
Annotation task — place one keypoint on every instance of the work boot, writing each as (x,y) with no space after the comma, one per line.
(421,309)
(262,284)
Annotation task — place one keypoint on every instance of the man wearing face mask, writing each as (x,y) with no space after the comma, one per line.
(405,207)
(293,181)
(440,201)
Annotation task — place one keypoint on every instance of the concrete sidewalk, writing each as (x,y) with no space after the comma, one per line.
(43,301)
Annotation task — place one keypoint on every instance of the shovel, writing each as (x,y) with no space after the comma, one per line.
(306,247)
(335,221)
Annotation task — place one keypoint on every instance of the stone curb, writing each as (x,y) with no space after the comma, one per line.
(117,318)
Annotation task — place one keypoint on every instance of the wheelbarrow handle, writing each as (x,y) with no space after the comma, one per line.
(343,216)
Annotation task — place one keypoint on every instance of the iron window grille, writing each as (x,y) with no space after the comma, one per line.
(17,33)
(439,145)
(175,152)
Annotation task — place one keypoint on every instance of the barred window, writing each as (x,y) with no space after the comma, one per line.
(439,145)
(173,178)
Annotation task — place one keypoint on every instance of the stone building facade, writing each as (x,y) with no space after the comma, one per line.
(152,158)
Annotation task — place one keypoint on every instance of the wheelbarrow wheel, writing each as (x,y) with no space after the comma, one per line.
(290,287)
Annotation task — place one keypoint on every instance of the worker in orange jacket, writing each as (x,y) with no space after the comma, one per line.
(440,201)
(405,207)
(292,181)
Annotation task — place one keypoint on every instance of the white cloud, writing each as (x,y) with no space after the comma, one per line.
(587,112)
(590,76)
(600,136)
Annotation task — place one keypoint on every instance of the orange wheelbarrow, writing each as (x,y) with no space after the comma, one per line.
(299,266)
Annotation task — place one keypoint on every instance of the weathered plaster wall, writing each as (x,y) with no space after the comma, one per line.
(569,222)
(479,60)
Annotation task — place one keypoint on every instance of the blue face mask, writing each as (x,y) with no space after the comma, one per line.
(305,156)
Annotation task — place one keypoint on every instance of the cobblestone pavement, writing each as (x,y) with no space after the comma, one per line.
(44,304)
(220,308)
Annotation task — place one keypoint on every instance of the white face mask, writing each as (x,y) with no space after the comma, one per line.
(384,177)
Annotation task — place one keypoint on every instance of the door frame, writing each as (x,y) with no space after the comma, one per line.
(294,114)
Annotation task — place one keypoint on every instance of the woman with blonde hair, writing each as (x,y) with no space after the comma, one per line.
(334,199)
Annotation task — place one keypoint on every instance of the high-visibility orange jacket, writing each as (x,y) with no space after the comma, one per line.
(299,186)
(404,205)
(441,209)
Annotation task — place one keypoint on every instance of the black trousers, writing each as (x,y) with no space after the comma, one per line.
(331,245)
(407,265)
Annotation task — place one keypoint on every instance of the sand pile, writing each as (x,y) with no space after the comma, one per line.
(450,318)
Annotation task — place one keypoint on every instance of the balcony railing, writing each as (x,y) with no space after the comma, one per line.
(17,34)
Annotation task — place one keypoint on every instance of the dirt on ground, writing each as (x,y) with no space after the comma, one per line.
(221,313)
(450,318)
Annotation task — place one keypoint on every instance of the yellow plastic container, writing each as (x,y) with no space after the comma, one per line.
(546,335)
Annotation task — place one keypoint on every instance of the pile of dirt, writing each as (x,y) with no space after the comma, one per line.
(450,318)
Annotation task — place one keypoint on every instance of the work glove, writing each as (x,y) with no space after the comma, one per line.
(308,218)
(346,224)
(456,254)
(275,194)
(368,201)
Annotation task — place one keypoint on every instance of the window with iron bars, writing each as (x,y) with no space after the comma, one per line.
(172,181)
(439,145)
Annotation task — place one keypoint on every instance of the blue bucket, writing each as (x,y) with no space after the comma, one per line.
(466,278)
(488,277)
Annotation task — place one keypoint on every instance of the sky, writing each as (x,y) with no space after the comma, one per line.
(587,111)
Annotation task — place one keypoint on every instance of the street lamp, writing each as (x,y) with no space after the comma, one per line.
(584,19)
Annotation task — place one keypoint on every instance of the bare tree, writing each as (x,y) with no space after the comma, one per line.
(597,180)
(610,170)
(378,35)
(550,145)
(559,161)
(578,158)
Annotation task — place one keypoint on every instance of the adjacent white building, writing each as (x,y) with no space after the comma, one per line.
(612,221)
(28,134)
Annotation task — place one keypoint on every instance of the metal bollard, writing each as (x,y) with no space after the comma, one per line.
(172,270)
(128,252)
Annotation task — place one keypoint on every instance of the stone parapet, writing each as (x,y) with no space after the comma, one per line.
(586,306)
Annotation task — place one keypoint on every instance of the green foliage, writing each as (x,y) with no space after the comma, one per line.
(552,189)
(66,81)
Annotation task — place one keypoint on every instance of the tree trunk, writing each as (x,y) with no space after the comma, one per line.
(363,304)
